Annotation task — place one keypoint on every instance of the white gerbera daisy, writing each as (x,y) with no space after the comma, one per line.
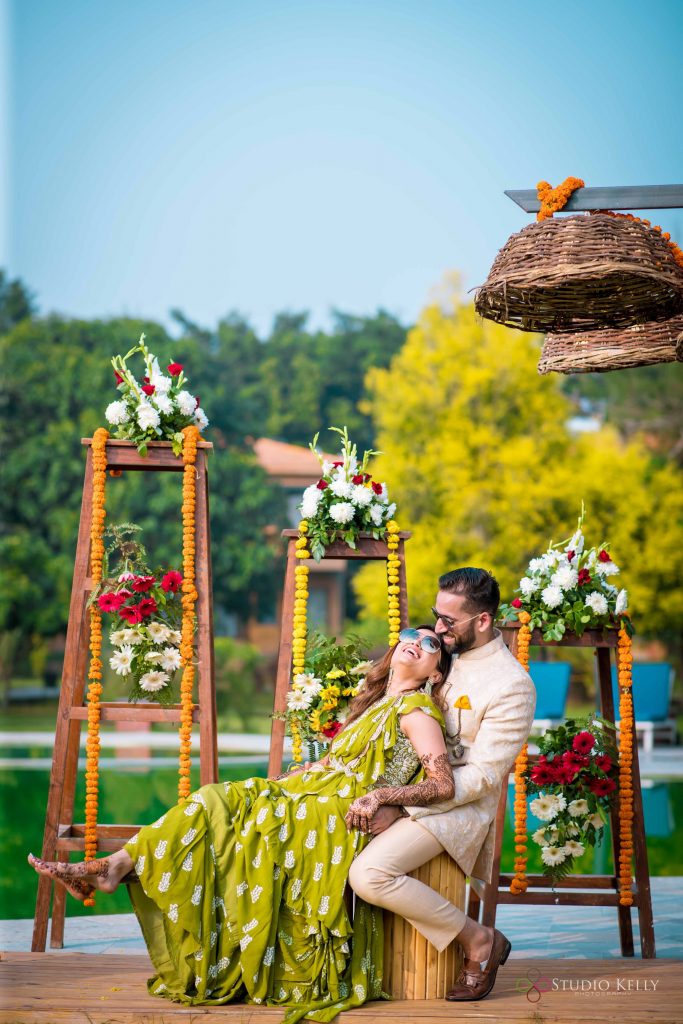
(573,830)
(529,585)
(621,603)
(596,821)
(298,700)
(175,636)
(552,855)
(132,636)
(153,681)
(577,807)
(597,603)
(361,496)
(116,413)
(551,596)
(543,807)
(573,849)
(565,576)
(154,657)
(342,512)
(118,637)
(170,659)
(122,660)
(158,632)
(540,837)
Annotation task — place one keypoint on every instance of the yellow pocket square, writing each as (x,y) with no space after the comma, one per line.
(463,702)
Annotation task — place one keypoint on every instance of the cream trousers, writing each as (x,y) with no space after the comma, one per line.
(379,875)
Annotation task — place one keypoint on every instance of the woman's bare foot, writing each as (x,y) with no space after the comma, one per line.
(81,879)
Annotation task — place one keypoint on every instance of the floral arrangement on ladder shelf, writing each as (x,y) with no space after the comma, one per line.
(318,700)
(567,589)
(155,408)
(146,611)
(346,500)
(575,778)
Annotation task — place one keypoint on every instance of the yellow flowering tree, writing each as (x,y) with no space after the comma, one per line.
(485,470)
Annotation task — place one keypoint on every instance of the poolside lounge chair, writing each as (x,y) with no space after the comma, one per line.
(652,688)
(551,679)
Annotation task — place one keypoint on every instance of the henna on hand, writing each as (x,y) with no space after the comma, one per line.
(438,785)
(362,810)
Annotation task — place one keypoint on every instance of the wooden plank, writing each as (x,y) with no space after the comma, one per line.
(612,197)
(570,882)
(160,457)
(84,988)
(120,711)
(591,638)
(368,547)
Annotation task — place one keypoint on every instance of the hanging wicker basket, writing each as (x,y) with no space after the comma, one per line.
(582,273)
(599,351)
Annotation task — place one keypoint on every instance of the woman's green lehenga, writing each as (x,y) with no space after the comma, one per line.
(241,887)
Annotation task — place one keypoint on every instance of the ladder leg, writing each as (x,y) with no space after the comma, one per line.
(642,872)
(491,890)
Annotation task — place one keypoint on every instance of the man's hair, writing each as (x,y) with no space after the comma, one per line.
(479,588)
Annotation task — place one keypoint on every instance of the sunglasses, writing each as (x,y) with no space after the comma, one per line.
(428,643)
(450,623)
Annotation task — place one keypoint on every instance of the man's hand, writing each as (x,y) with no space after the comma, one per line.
(362,811)
(384,817)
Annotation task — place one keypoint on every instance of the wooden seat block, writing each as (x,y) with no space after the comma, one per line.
(413,968)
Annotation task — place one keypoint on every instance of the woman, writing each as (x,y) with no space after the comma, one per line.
(241,894)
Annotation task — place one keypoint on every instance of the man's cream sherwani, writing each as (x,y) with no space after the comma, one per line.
(503,700)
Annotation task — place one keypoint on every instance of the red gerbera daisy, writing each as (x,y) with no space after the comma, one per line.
(110,602)
(602,787)
(583,742)
(604,762)
(147,607)
(131,615)
(141,584)
(171,581)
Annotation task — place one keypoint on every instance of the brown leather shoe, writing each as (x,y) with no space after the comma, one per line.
(475,983)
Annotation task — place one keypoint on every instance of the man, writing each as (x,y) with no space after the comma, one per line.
(484,735)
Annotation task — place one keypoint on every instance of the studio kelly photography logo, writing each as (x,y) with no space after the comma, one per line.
(534,985)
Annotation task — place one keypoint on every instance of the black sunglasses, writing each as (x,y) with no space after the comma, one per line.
(431,644)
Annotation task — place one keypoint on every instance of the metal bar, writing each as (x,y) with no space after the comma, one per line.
(616,197)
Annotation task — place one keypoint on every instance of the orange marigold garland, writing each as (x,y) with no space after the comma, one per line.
(624,668)
(393,588)
(190,439)
(554,199)
(301,573)
(92,746)
(520,882)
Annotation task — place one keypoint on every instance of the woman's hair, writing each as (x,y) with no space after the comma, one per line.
(377,676)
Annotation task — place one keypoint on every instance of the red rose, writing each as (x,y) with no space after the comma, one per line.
(119,378)
(331,730)
(357,479)
(147,607)
(149,389)
(377,488)
(367,476)
(335,464)
(175,368)
(602,787)
(604,762)
(604,556)
(196,401)
(570,555)
(517,603)
(321,485)
(583,742)
(141,584)
(171,581)
(131,615)
(584,577)
(110,602)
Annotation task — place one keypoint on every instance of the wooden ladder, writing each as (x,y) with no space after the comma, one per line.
(368,549)
(600,890)
(61,834)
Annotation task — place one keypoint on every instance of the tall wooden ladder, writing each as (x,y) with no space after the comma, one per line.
(62,835)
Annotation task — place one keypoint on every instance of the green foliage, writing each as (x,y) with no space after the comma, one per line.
(237,665)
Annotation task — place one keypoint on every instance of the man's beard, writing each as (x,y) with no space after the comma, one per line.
(463,643)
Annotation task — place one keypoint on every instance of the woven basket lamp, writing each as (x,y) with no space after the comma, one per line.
(599,351)
(582,273)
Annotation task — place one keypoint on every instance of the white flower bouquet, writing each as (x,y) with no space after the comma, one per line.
(567,588)
(345,501)
(156,408)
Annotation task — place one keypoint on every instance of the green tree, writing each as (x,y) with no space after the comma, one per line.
(485,472)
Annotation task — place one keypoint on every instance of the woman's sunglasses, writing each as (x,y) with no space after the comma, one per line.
(427,643)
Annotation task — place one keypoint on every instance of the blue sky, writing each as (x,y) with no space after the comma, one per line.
(282,154)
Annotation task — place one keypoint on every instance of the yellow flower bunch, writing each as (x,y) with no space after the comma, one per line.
(92,747)
(393,588)
(520,882)
(330,696)
(624,667)
(190,439)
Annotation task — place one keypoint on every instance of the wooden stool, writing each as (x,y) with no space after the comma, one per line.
(413,969)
